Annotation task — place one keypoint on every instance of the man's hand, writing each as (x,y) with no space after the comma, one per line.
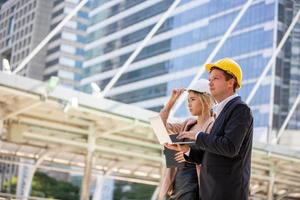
(179,157)
(183,148)
(187,134)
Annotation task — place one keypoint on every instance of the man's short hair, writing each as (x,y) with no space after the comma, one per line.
(228,75)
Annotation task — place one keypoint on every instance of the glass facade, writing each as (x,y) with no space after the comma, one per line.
(65,53)
(181,46)
(287,71)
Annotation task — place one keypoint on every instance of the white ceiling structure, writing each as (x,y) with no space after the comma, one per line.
(34,122)
(57,126)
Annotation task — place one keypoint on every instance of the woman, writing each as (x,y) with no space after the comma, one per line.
(181,183)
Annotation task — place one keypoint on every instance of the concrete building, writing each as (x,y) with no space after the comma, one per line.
(23,24)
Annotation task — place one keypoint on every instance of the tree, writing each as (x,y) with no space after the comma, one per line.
(47,187)
(132,191)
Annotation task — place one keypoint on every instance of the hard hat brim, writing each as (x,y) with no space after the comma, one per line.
(208,66)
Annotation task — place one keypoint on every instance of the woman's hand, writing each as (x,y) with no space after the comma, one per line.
(187,134)
(174,96)
(183,148)
(176,93)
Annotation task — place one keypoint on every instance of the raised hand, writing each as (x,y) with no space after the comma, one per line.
(176,93)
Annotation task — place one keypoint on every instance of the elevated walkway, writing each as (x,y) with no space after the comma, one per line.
(58,129)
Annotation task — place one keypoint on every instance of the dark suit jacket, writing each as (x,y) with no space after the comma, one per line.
(225,154)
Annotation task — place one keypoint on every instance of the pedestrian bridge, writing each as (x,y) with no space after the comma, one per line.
(59,129)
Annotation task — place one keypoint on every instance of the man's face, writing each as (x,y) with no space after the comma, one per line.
(218,85)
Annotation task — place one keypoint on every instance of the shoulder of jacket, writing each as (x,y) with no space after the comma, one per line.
(241,106)
(237,105)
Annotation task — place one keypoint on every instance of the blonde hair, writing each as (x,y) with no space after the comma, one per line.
(207,102)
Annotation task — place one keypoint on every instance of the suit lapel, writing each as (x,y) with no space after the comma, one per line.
(220,119)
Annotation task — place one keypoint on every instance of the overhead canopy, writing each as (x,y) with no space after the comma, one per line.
(36,121)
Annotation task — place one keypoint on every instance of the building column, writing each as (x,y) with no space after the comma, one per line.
(271,182)
(85,185)
(28,182)
(98,189)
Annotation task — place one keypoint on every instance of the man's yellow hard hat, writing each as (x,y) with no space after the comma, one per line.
(229,66)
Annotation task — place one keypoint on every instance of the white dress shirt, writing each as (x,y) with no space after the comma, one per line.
(219,107)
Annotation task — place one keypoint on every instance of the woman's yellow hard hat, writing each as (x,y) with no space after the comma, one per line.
(229,66)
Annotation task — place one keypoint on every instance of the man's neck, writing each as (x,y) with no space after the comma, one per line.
(225,96)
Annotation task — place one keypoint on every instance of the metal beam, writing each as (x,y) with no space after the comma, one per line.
(79,172)
(213,53)
(140,47)
(131,153)
(16,92)
(131,126)
(132,141)
(22,109)
(128,152)
(83,110)
(52,125)
(287,119)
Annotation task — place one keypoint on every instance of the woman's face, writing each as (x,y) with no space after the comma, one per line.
(194,104)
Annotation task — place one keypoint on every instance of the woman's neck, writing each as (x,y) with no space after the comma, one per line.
(202,119)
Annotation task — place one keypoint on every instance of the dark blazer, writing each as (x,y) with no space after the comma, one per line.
(225,154)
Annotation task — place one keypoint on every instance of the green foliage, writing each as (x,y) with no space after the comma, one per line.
(10,186)
(132,191)
(47,187)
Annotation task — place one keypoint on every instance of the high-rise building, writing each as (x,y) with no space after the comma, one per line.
(65,52)
(102,36)
(287,66)
(182,45)
(2,2)
(23,24)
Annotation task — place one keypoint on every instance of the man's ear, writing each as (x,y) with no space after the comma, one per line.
(231,83)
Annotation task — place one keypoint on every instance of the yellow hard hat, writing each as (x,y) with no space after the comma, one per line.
(229,66)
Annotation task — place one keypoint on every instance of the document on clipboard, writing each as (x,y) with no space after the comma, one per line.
(162,134)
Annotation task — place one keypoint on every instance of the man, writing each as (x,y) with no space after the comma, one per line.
(225,153)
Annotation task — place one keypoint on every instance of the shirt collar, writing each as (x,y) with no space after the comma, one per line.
(219,107)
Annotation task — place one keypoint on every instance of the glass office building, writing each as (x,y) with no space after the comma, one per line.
(65,51)
(181,46)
